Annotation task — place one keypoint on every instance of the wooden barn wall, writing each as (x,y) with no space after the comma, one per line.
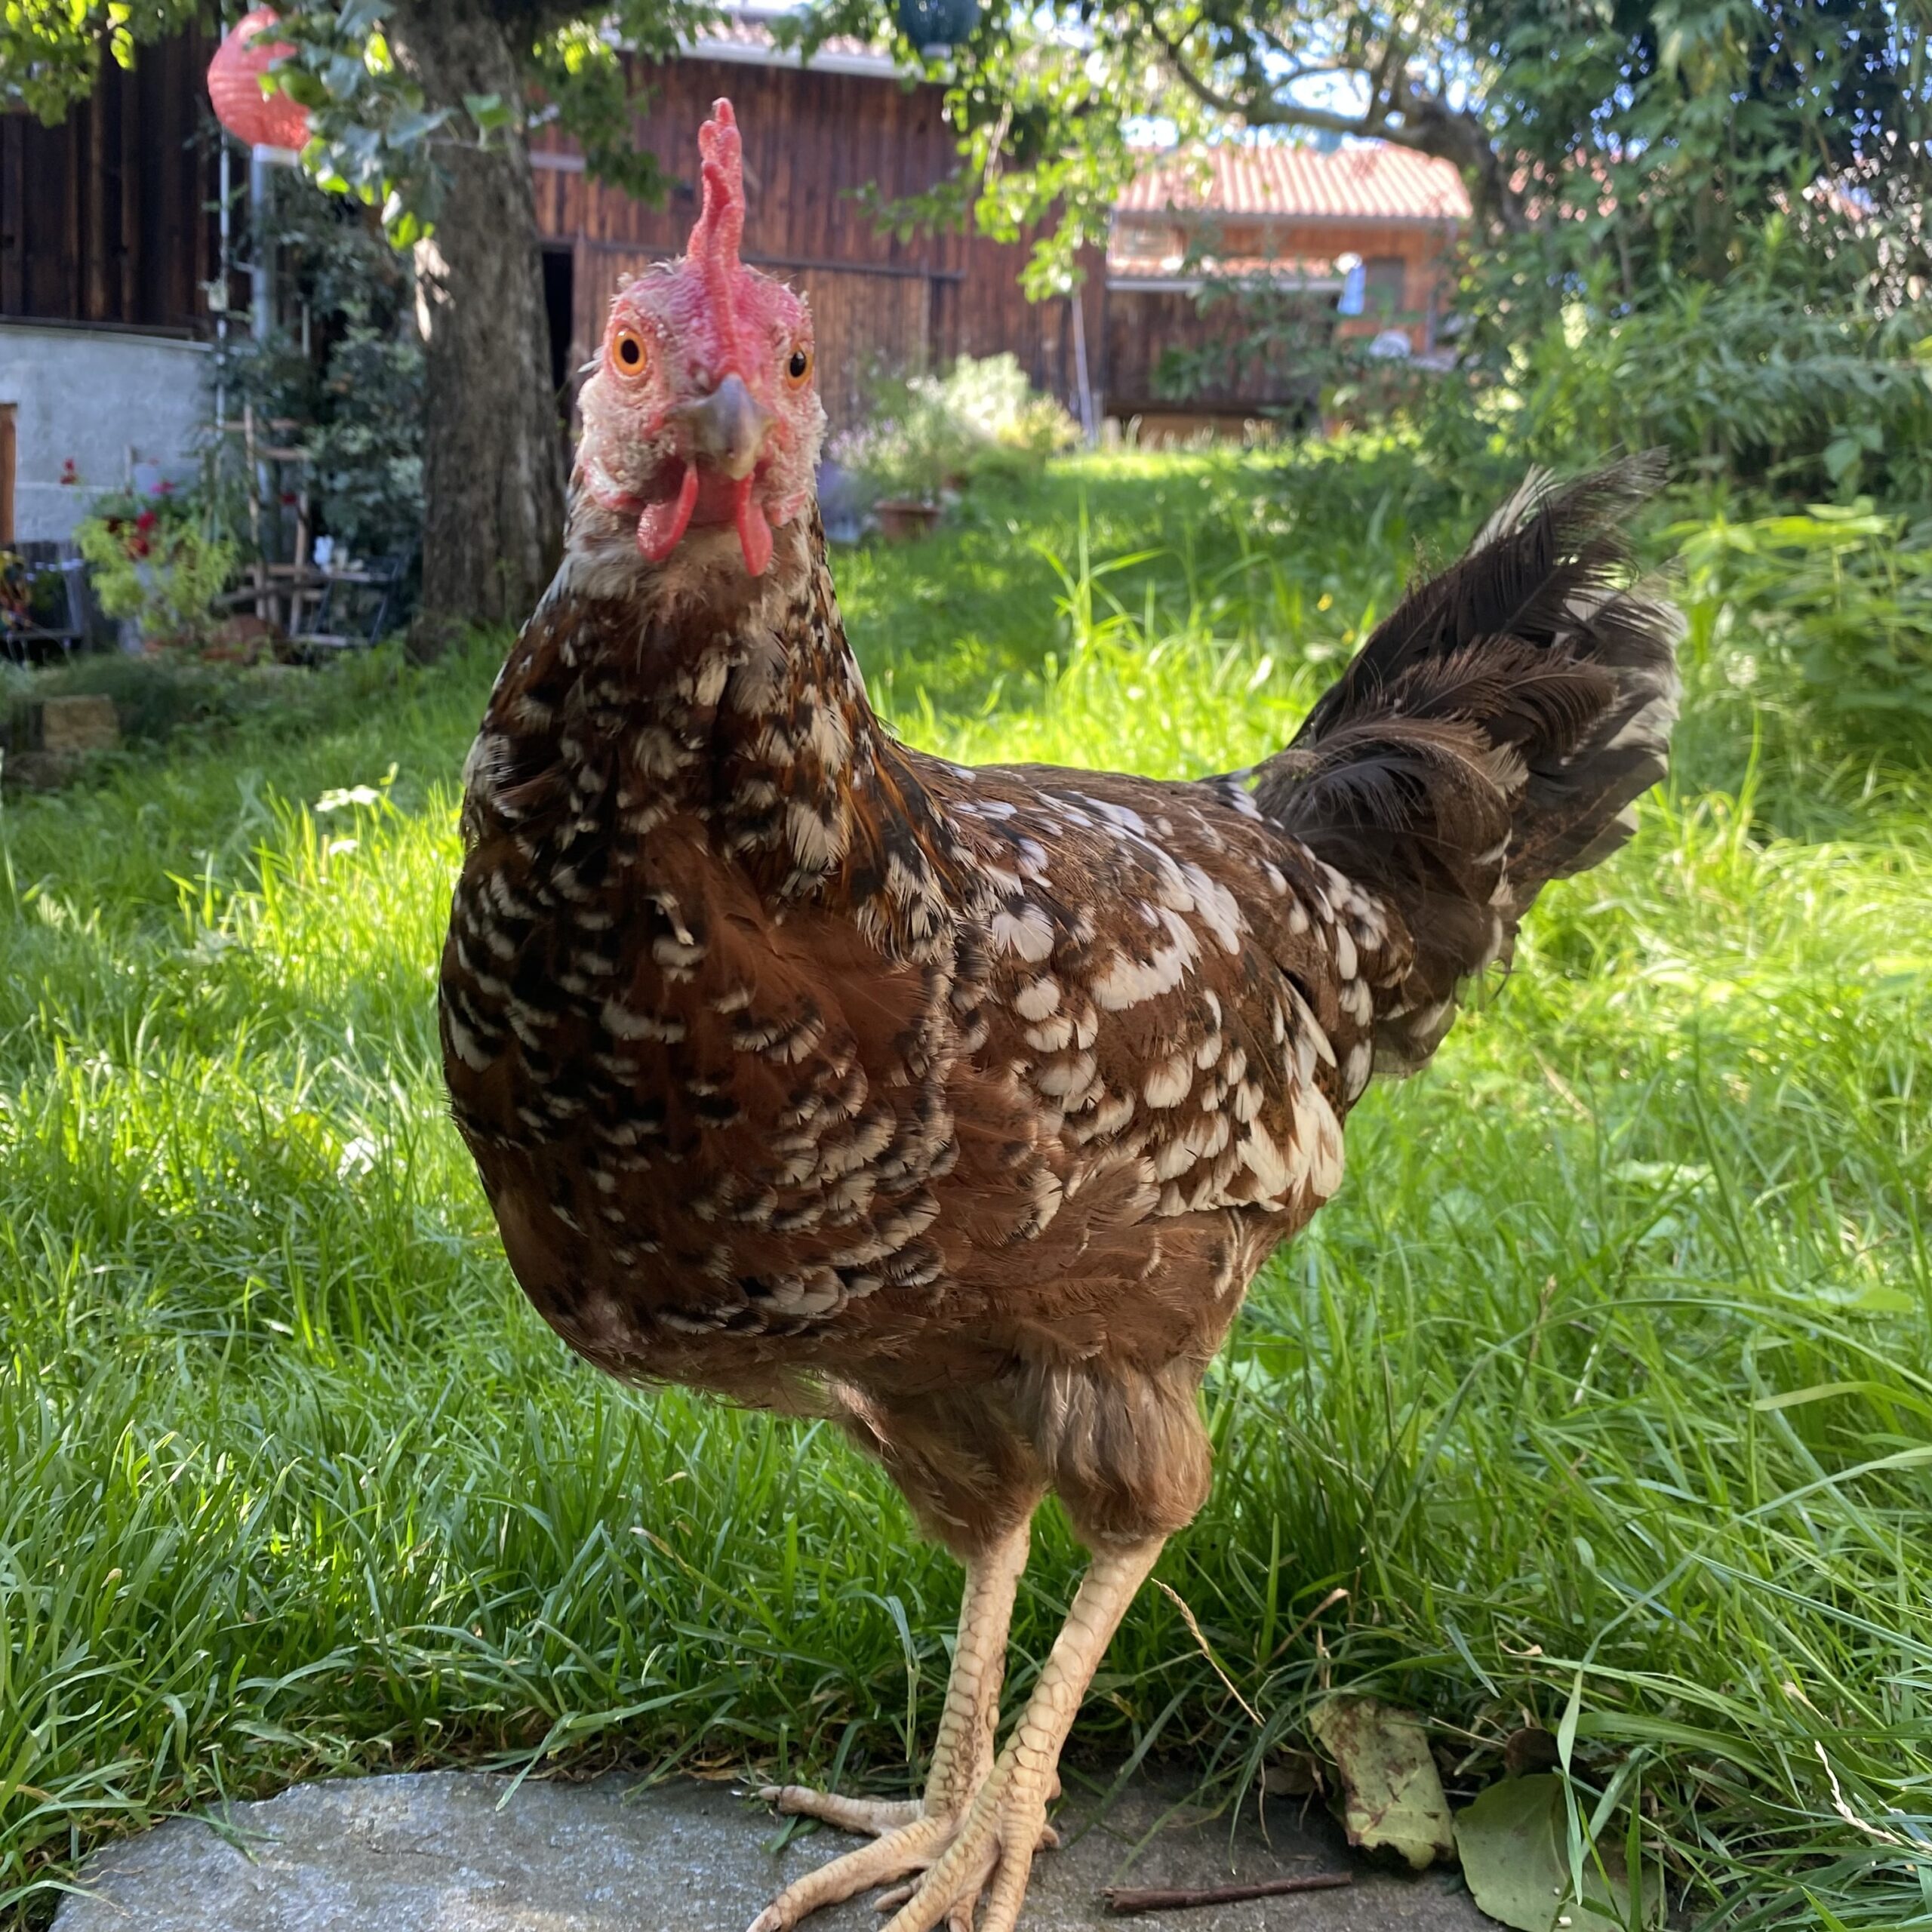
(813,140)
(108,216)
(1141,324)
(1144,324)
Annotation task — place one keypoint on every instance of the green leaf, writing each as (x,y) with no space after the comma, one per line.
(1843,454)
(1392,1797)
(407,127)
(1515,1843)
(489,111)
(305,89)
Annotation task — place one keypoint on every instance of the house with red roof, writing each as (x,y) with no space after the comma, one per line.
(1351,241)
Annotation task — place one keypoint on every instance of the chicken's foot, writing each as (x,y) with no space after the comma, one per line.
(992,1849)
(909,1835)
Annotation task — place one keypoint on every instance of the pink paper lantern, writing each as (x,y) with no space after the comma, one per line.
(234,86)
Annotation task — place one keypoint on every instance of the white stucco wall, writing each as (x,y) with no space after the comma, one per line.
(106,398)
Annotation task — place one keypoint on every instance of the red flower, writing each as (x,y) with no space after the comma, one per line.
(145,521)
(164,488)
(69,471)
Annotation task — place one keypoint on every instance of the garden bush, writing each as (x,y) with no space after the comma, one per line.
(1820,619)
(344,364)
(929,434)
(1744,379)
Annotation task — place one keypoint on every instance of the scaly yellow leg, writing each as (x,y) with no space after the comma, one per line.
(910,1835)
(995,1843)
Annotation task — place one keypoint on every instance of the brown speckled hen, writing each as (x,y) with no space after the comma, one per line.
(963,1105)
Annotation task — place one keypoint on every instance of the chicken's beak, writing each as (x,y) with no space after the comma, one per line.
(725,431)
(728,428)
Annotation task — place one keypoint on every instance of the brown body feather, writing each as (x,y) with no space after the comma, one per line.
(964,1105)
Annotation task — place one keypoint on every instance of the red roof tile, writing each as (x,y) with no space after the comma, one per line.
(1369,181)
(745,34)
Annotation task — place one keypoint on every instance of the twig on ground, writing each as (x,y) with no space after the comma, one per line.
(1124,1899)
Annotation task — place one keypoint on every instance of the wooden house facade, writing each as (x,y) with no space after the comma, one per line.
(110,218)
(110,244)
(821,142)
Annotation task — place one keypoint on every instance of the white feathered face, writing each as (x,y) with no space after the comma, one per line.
(704,408)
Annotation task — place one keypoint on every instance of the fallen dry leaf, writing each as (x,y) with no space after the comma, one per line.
(1393,1795)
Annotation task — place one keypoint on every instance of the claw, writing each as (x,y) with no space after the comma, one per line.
(910,1838)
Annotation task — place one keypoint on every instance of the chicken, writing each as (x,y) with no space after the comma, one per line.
(962,1106)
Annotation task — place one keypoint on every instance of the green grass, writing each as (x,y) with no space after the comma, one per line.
(1604,1390)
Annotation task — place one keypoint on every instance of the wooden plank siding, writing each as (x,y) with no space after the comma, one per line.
(109,218)
(813,141)
(1405,264)
(1144,324)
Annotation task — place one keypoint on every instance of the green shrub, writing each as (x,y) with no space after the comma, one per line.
(934,433)
(156,697)
(1827,610)
(1748,382)
(349,377)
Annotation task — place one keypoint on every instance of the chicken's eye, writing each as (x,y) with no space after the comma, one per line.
(799,366)
(629,354)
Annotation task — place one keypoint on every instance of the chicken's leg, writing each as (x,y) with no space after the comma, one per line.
(911,1834)
(994,1847)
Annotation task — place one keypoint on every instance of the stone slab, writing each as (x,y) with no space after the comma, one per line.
(455,1851)
(74,725)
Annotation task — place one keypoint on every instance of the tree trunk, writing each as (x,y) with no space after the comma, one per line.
(494,451)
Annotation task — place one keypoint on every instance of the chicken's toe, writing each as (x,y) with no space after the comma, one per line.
(911,1847)
(993,1848)
(873,1816)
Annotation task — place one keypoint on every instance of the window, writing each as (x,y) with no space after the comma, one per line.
(1385,278)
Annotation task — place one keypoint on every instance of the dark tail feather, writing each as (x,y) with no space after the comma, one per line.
(1491,735)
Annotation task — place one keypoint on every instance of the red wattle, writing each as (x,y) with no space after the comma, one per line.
(662,526)
(754,532)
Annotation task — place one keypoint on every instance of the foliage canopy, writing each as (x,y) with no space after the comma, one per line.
(1657,132)
(1663,129)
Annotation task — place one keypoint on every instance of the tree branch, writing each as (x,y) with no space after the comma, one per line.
(1428,125)
(1378,80)
(1258,112)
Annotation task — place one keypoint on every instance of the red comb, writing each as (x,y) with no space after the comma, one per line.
(721,222)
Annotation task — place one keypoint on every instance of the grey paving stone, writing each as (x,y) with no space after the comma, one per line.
(445,1851)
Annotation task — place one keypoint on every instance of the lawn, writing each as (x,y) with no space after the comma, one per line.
(1601,1395)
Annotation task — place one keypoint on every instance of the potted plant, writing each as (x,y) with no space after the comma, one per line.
(159,562)
(907,461)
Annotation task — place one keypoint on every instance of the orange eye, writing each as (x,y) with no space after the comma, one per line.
(628,354)
(799,366)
